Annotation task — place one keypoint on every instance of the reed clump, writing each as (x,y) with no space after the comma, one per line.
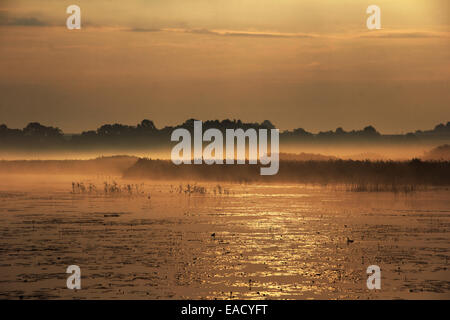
(109,188)
(358,176)
(379,187)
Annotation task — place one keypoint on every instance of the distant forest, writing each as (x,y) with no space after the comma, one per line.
(146,134)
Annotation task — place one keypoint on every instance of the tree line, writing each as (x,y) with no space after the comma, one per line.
(146,133)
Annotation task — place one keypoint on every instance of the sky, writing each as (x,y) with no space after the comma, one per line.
(311,64)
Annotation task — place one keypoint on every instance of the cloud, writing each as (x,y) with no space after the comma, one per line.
(268,35)
(145,30)
(21,21)
(251,34)
(229,33)
(404,34)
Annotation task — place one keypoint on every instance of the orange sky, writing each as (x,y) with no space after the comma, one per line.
(310,64)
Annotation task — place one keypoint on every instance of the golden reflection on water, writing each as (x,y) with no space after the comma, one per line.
(254,242)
